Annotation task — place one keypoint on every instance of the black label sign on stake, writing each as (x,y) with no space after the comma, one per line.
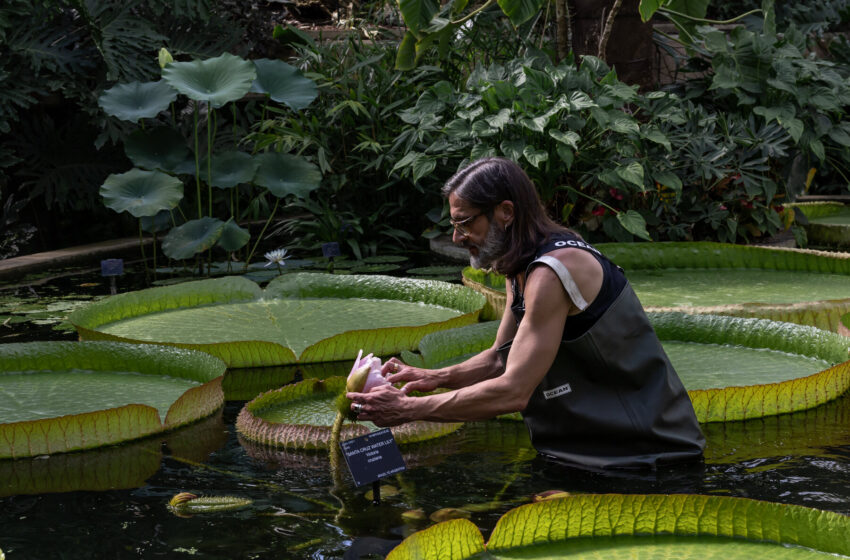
(373,456)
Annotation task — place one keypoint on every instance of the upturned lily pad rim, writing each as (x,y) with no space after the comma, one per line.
(95,429)
(252,427)
(711,405)
(249,353)
(824,314)
(607,516)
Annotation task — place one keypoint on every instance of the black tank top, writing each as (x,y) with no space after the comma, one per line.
(613,282)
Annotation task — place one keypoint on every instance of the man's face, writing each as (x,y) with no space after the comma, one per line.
(482,237)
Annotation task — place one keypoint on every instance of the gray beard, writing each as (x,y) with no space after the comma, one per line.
(492,248)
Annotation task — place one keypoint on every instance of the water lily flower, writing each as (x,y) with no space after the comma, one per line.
(277,257)
(365,374)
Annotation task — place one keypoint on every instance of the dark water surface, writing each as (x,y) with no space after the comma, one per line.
(488,467)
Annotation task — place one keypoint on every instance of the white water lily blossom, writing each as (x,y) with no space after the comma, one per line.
(374,378)
(277,257)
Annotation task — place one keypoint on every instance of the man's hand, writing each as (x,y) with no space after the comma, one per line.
(383,406)
(415,379)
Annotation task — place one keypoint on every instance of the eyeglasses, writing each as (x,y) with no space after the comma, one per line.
(462,225)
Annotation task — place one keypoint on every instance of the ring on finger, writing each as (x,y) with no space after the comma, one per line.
(357,408)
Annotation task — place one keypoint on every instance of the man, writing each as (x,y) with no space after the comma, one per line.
(574,352)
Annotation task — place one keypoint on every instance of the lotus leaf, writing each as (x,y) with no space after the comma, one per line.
(104,393)
(285,174)
(191,238)
(159,148)
(734,368)
(300,416)
(284,83)
(233,237)
(230,169)
(215,80)
(137,100)
(721,278)
(637,526)
(299,317)
(141,193)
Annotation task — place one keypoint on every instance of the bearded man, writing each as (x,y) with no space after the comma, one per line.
(575,352)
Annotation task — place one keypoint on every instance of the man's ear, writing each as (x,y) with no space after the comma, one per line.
(504,213)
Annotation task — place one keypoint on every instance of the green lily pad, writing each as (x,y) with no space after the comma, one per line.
(734,368)
(193,237)
(159,148)
(141,193)
(230,169)
(137,100)
(285,174)
(384,259)
(301,416)
(284,83)
(793,285)
(299,317)
(828,223)
(640,526)
(161,221)
(216,80)
(434,271)
(66,396)
(374,268)
(233,237)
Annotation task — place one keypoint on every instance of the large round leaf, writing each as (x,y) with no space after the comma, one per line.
(78,395)
(137,100)
(230,169)
(233,237)
(285,174)
(159,148)
(216,80)
(640,526)
(141,193)
(287,322)
(193,237)
(284,83)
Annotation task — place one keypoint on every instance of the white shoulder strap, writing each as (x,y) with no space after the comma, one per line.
(566,279)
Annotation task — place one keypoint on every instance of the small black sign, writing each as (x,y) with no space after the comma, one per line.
(330,250)
(112,267)
(373,456)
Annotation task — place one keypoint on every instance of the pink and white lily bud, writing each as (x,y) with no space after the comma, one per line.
(365,374)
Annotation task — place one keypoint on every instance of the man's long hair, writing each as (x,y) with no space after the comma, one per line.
(487,182)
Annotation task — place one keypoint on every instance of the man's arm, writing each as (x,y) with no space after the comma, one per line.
(532,353)
(484,365)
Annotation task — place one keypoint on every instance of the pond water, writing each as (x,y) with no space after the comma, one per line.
(112,503)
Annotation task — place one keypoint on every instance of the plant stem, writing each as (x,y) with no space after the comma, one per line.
(209,154)
(144,257)
(198,165)
(609,26)
(260,236)
(474,12)
(333,449)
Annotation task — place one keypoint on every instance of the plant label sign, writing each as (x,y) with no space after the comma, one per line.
(330,250)
(112,267)
(373,456)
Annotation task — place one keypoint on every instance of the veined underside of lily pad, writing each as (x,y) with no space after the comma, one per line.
(803,367)
(32,373)
(300,416)
(723,279)
(636,526)
(299,318)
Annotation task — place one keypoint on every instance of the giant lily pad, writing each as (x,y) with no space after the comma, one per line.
(215,80)
(828,223)
(301,415)
(141,193)
(299,317)
(640,526)
(137,100)
(102,393)
(734,368)
(794,285)
(284,83)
